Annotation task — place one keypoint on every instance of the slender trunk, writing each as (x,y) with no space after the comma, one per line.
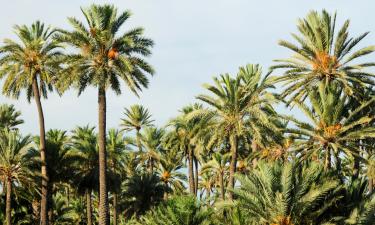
(114,208)
(222,189)
(327,164)
(233,162)
(196,176)
(88,207)
(151,166)
(8,207)
(370,185)
(103,195)
(191,172)
(67,195)
(42,148)
(254,148)
(165,196)
(138,139)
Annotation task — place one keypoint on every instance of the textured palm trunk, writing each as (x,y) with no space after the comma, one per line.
(139,140)
(165,195)
(254,149)
(8,207)
(42,148)
(190,171)
(233,164)
(356,168)
(103,195)
(115,209)
(196,176)
(88,207)
(151,166)
(222,189)
(327,164)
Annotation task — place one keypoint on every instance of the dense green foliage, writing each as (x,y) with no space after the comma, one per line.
(229,158)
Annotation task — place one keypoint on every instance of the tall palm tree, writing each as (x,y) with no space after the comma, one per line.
(170,173)
(61,161)
(334,128)
(9,117)
(151,139)
(136,118)
(32,65)
(324,55)
(85,146)
(183,138)
(106,58)
(14,164)
(287,194)
(240,106)
(217,166)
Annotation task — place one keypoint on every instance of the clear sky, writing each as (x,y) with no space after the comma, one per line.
(194,40)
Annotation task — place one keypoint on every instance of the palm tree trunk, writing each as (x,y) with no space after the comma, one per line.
(103,195)
(370,185)
(356,168)
(42,147)
(191,172)
(138,139)
(222,190)
(233,162)
(8,207)
(196,176)
(165,196)
(327,164)
(114,209)
(88,207)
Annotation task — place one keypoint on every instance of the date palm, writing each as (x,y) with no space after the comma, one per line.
(217,166)
(14,170)
(286,194)
(170,173)
(9,117)
(85,147)
(105,59)
(151,139)
(136,118)
(334,127)
(240,106)
(323,55)
(32,65)
(183,138)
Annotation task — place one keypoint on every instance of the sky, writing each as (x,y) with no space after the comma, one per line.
(194,41)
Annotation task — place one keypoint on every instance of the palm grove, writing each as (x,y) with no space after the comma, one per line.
(229,158)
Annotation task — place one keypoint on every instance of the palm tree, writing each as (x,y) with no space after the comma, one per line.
(185,138)
(14,164)
(60,163)
(32,65)
(286,194)
(136,118)
(9,117)
(323,56)
(140,193)
(334,128)
(85,147)
(170,174)
(217,166)
(206,185)
(241,106)
(151,139)
(184,210)
(106,57)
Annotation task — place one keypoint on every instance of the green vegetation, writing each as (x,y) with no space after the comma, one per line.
(229,158)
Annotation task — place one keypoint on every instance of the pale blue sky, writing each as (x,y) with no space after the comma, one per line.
(194,40)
